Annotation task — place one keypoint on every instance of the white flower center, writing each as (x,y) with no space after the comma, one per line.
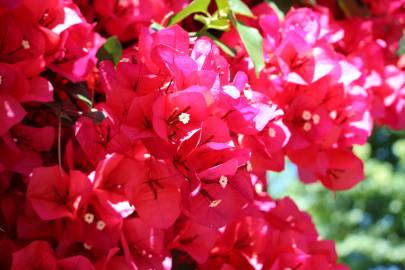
(259,188)
(87,246)
(223,181)
(184,118)
(306,115)
(272,132)
(307,126)
(333,115)
(100,225)
(215,203)
(316,118)
(25,44)
(88,218)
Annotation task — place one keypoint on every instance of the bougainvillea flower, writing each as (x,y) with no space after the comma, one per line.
(95,230)
(176,114)
(13,82)
(155,192)
(126,18)
(125,81)
(113,174)
(143,245)
(196,240)
(301,64)
(18,159)
(76,262)
(337,169)
(78,52)
(219,199)
(174,41)
(41,90)
(25,47)
(37,255)
(53,194)
(32,138)
(11,112)
(157,157)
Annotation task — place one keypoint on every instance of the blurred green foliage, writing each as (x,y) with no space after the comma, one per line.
(367,222)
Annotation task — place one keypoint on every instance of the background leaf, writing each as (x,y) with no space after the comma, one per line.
(352,8)
(253,42)
(193,7)
(221,24)
(401,48)
(240,8)
(111,50)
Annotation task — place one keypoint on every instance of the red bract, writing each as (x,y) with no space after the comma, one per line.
(39,255)
(143,245)
(53,194)
(155,192)
(78,57)
(176,114)
(125,18)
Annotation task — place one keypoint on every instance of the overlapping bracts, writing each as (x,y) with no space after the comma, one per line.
(159,161)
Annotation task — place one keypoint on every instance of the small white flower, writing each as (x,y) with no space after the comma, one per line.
(88,218)
(100,225)
(306,115)
(215,203)
(25,44)
(184,118)
(333,114)
(307,126)
(316,118)
(223,181)
(87,246)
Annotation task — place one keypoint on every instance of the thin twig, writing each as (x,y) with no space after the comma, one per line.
(60,146)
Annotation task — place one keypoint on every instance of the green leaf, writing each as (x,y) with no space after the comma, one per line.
(85,100)
(193,7)
(401,48)
(240,8)
(222,4)
(78,91)
(279,12)
(157,27)
(96,116)
(221,24)
(352,8)
(111,50)
(253,42)
(308,2)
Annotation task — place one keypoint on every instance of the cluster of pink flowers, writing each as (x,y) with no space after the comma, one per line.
(174,175)
(332,80)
